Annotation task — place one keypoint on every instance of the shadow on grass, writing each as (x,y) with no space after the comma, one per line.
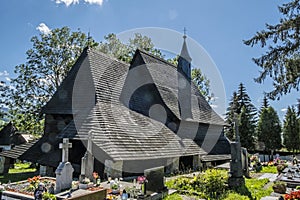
(15,177)
(243,190)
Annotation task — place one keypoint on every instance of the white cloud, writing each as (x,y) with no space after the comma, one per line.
(7,78)
(43,28)
(67,2)
(173,14)
(283,109)
(99,2)
(4,73)
(214,106)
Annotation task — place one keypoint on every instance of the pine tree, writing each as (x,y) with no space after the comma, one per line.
(291,132)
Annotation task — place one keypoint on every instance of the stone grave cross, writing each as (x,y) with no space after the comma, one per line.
(65,146)
(87,161)
(64,171)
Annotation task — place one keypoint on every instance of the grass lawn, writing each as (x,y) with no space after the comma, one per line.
(20,172)
(254,188)
(269,169)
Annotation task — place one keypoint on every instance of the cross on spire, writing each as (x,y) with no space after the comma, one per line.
(89,39)
(65,146)
(184,33)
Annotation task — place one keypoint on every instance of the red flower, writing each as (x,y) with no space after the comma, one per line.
(141,179)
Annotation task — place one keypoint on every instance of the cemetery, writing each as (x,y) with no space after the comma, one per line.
(140,127)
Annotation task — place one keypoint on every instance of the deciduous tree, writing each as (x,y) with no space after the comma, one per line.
(48,61)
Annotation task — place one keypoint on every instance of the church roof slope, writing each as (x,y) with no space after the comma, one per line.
(84,85)
(7,134)
(127,135)
(18,150)
(164,76)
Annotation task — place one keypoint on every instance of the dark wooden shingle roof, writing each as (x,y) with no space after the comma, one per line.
(91,93)
(6,133)
(165,76)
(18,150)
(123,134)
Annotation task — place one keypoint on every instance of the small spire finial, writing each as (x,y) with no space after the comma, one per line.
(89,39)
(184,33)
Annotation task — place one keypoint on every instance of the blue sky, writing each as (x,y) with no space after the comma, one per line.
(219,26)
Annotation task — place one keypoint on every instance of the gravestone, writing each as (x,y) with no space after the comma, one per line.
(87,161)
(291,175)
(245,163)
(2,162)
(155,179)
(236,178)
(64,171)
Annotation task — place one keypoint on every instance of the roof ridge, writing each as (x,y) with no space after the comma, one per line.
(156,57)
(97,51)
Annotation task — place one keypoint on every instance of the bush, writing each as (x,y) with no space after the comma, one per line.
(213,182)
(210,185)
(235,196)
(48,196)
(269,169)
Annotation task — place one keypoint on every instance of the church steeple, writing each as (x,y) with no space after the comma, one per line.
(184,81)
(184,61)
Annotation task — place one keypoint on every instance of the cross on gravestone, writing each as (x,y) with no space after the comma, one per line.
(65,146)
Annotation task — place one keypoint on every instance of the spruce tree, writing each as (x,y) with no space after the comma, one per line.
(242,108)
(246,129)
(269,128)
(281,60)
(291,130)
(247,118)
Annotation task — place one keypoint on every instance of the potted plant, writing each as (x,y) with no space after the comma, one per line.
(280,167)
(279,187)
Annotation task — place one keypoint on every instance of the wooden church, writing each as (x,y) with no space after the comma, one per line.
(130,117)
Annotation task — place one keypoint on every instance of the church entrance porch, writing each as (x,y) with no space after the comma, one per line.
(186,163)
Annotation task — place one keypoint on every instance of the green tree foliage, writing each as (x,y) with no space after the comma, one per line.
(114,47)
(281,62)
(269,128)
(48,61)
(241,108)
(246,129)
(202,83)
(265,103)
(291,130)
(247,118)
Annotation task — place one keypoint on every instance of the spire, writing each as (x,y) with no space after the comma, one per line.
(184,51)
(184,61)
(184,81)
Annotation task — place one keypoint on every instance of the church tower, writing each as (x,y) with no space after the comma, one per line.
(184,81)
